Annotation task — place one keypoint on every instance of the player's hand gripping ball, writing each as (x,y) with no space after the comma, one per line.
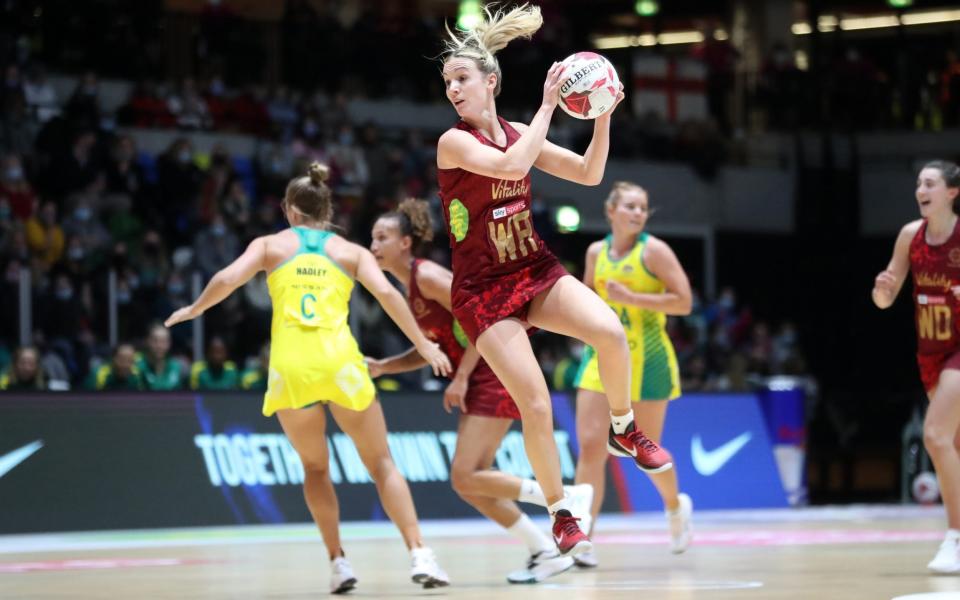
(591,85)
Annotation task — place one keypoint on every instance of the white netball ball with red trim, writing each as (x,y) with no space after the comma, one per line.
(590,85)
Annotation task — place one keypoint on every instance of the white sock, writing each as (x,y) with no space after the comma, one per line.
(527,532)
(562,504)
(953,535)
(531,493)
(620,422)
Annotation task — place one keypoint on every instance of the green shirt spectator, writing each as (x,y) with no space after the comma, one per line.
(255,379)
(120,374)
(158,372)
(25,374)
(216,373)
(204,376)
(164,376)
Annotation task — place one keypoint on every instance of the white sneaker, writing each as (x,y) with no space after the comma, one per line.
(540,566)
(425,570)
(342,579)
(581,504)
(586,560)
(681,526)
(947,559)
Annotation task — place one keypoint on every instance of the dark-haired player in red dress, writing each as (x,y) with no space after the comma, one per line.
(929,248)
(486,408)
(504,277)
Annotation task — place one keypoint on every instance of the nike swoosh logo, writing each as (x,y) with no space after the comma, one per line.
(11,459)
(709,462)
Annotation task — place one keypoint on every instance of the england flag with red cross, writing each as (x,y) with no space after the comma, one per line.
(674,88)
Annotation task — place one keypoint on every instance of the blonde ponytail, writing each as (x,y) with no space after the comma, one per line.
(497,30)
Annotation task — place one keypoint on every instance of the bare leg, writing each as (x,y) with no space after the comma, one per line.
(305,429)
(574,310)
(506,348)
(592,425)
(939,434)
(650,417)
(490,492)
(368,431)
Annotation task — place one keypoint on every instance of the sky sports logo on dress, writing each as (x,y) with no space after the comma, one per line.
(506,211)
(269,459)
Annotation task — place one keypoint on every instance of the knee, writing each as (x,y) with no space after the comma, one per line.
(608,334)
(593,447)
(462,481)
(379,467)
(315,467)
(537,412)
(938,441)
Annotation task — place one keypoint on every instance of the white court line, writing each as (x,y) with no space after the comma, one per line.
(263,534)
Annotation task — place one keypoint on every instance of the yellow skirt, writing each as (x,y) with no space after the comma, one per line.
(654,376)
(345,383)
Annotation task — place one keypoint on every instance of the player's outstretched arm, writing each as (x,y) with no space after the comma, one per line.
(224,282)
(371,277)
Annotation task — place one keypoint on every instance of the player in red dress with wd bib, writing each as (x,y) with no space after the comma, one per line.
(929,248)
(504,278)
(487,410)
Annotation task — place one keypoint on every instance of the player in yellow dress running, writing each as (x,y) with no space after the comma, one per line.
(641,279)
(315,361)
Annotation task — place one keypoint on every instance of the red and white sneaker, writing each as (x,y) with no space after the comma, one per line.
(566,533)
(632,443)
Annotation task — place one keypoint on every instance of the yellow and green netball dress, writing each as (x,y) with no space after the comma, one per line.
(655,374)
(313,357)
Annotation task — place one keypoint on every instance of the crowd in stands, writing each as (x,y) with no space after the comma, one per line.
(80,204)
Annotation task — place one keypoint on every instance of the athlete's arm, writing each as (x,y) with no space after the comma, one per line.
(456,392)
(398,363)
(371,277)
(590,264)
(586,169)
(457,148)
(675,299)
(435,284)
(225,282)
(888,282)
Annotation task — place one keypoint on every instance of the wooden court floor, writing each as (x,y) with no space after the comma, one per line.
(835,553)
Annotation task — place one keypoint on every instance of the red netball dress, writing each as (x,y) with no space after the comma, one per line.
(486,396)
(935,270)
(499,261)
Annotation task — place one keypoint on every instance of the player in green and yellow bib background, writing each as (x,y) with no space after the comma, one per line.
(641,280)
(315,361)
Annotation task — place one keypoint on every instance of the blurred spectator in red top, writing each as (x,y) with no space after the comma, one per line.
(15,188)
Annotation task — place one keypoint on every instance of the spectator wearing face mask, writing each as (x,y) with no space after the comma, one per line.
(215,246)
(45,236)
(74,169)
(120,374)
(61,314)
(83,224)
(179,189)
(216,373)
(83,107)
(15,188)
(25,374)
(159,372)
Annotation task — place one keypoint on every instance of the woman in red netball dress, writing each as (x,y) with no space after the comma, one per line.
(929,248)
(486,409)
(504,277)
